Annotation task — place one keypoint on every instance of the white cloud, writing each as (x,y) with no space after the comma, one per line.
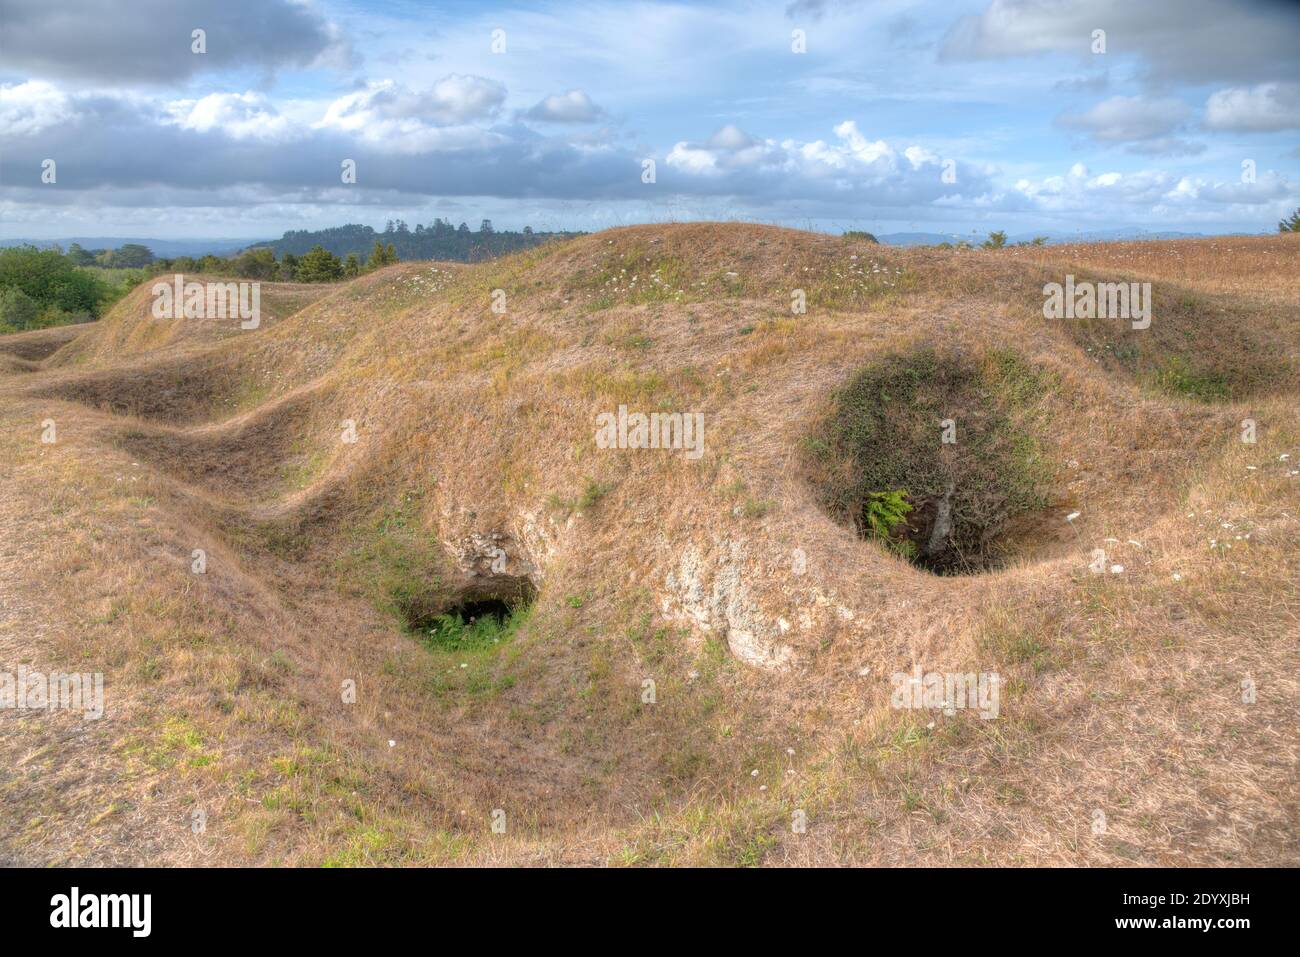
(1264,108)
(453,99)
(575,106)
(238,115)
(1267,188)
(1113,195)
(729,148)
(692,159)
(1123,119)
(412,122)
(851,169)
(730,137)
(28,108)
(459,99)
(860,148)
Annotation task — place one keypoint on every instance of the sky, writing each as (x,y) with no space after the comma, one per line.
(960,116)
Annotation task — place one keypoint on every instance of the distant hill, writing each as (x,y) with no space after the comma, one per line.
(1053,238)
(921,239)
(442,240)
(1106,236)
(439,240)
(163,248)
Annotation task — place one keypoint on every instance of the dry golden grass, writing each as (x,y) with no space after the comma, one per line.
(1122,692)
(1256,266)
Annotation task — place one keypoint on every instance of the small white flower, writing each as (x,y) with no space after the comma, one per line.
(1116,569)
(1072,516)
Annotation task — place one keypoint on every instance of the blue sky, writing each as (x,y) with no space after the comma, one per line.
(1189,119)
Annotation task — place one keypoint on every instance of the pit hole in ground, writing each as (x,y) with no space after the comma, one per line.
(937,456)
(474,618)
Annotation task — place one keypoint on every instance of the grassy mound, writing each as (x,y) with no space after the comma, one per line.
(362,576)
(1201,347)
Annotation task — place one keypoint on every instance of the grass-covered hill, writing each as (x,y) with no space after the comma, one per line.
(432,600)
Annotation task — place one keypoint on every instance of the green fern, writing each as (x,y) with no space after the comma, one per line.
(882,513)
(452,632)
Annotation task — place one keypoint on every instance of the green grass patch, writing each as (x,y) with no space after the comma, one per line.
(394,562)
(452,632)
(1176,376)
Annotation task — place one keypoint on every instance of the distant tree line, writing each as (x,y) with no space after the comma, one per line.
(127,256)
(317,264)
(48,287)
(438,240)
(996,240)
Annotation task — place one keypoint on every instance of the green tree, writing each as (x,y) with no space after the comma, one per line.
(132,256)
(1291,224)
(319,265)
(381,256)
(256,264)
(352,266)
(80,257)
(49,278)
(996,240)
(18,311)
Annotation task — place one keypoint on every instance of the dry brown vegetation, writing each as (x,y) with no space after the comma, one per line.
(769,628)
